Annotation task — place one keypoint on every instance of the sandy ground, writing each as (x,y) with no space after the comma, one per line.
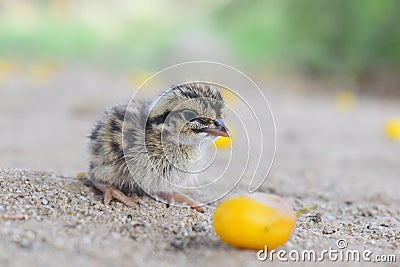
(338,160)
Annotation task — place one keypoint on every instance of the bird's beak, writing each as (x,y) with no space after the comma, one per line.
(219,130)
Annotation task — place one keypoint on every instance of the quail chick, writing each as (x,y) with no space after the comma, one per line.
(150,147)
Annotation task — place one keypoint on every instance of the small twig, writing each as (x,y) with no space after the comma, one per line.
(306,209)
(81,175)
(13,217)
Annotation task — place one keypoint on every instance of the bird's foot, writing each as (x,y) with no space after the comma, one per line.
(111,192)
(175,197)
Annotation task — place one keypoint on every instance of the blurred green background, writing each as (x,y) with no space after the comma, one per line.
(356,40)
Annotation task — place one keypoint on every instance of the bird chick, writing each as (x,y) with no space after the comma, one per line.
(150,147)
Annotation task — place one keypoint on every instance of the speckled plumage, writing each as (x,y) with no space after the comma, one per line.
(154,140)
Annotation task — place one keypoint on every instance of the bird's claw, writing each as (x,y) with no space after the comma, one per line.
(175,197)
(111,192)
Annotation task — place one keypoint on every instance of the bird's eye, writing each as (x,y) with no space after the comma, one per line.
(189,115)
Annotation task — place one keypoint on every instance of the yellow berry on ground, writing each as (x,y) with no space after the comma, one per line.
(253,221)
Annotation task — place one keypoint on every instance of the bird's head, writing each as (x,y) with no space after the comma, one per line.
(188,113)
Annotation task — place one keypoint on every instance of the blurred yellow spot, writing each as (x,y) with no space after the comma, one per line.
(6,69)
(392,129)
(224,142)
(136,80)
(345,100)
(80,175)
(40,73)
(229,96)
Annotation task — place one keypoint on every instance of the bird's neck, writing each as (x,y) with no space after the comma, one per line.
(169,149)
(181,152)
